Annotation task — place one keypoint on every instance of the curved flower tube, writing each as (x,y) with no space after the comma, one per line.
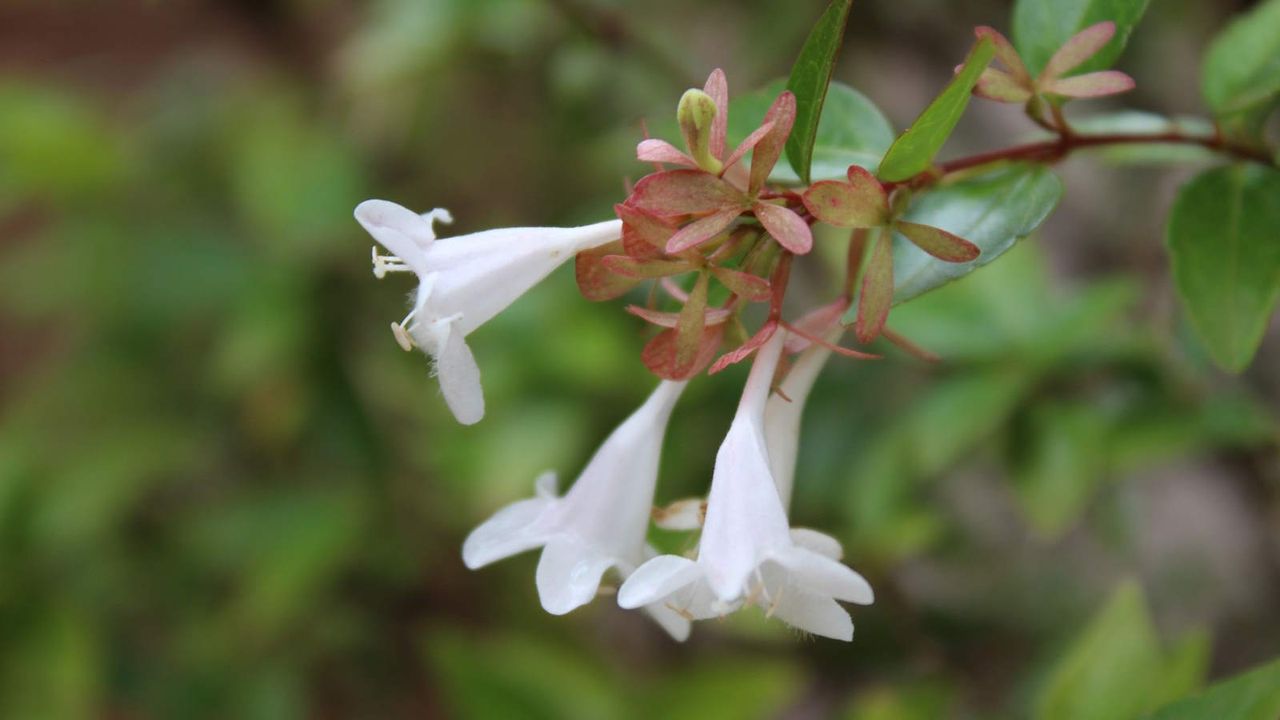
(600,523)
(464,281)
(783,411)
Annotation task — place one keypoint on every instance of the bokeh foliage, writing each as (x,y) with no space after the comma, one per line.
(224,492)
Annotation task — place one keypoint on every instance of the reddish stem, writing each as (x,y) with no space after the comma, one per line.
(1052,151)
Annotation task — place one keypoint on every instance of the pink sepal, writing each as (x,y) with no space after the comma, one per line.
(684,192)
(660,354)
(661,151)
(783,115)
(718,88)
(816,322)
(714,316)
(743,351)
(1078,48)
(701,230)
(1091,85)
(788,228)
(746,145)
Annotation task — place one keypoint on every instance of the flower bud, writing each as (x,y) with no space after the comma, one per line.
(696,115)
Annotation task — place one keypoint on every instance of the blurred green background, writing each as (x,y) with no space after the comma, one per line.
(225,492)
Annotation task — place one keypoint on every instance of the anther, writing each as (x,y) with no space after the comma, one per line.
(402,336)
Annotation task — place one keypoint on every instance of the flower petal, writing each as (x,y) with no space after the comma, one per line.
(545,485)
(686,514)
(814,614)
(460,378)
(481,274)
(821,575)
(508,532)
(788,228)
(656,579)
(397,228)
(819,542)
(676,625)
(569,574)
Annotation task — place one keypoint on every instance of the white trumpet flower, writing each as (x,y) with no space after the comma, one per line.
(464,281)
(748,553)
(600,523)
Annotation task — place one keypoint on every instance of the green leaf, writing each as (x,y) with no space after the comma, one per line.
(60,671)
(53,145)
(852,131)
(1107,672)
(886,514)
(904,701)
(509,676)
(955,417)
(810,77)
(992,211)
(1224,243)
(1040,27)
(1060,463)
(1242,68)
(915,149)
(726,688)
(1254,695)
(1009,312)
(1184,668)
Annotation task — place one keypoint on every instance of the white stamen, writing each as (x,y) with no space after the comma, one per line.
(776,601)
(682,612)
(408,317)
(383,264)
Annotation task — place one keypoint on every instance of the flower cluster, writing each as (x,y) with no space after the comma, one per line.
(713,218)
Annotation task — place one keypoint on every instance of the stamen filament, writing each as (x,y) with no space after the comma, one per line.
(383,264)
